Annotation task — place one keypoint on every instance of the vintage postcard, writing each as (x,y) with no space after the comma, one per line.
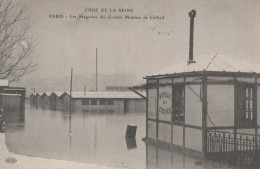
(172,84)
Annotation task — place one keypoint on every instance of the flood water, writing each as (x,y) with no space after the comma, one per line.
(95,138)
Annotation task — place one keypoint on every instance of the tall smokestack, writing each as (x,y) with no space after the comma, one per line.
(192,15)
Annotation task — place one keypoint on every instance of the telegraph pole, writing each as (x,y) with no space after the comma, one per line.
(96,69)
(70,95)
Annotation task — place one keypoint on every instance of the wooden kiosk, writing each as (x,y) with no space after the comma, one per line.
(208,107)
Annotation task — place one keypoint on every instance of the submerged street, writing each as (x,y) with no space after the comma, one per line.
(97,138)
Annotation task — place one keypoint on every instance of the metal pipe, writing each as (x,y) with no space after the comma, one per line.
(192,15)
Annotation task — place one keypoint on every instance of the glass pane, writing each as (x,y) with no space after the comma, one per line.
(152,103)
(178,102)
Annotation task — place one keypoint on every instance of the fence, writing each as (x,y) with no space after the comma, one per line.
(233,148)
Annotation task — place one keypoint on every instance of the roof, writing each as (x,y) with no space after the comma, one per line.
(15,88)
(217,63)
(77,95)
(58,93)
(106,95)
(40,93)
(47,93)
(8,94)
(4,83)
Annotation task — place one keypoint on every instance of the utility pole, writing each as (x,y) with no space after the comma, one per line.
(96,69)
(70,96)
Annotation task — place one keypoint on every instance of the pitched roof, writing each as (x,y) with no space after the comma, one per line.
(40,93)
(219,63)
(77,95)
(58,93)
(47,93)
(114,95)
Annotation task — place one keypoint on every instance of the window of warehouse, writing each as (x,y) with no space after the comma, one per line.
(110,102)
(94,102)
(178,103)
(102,101)
(85,102)
(245,105)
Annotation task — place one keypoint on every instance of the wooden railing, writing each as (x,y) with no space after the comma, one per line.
(233,148)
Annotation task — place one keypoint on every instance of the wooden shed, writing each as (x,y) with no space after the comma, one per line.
(11,104)
(65,102)
(19,91)
(38,100)
(190,104)
(55,101)
(32,99)
(45,100)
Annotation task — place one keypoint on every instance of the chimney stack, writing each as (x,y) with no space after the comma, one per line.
(192,15)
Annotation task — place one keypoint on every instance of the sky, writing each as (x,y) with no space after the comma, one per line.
(228,27)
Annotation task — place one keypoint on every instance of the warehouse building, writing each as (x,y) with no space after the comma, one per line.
(90,101)
(126,102)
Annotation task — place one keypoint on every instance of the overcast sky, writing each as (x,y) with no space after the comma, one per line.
(140,46)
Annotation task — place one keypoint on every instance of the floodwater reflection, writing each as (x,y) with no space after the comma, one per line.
(164,158)
(130,143)
(13,117)
(95,138)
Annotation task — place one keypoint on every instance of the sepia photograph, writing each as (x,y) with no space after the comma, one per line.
(119,84)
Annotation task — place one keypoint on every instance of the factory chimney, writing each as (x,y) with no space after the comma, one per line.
(192,15)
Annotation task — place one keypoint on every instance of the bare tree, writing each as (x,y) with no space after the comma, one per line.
(16,43)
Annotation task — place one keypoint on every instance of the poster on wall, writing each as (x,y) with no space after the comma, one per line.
(165,103)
